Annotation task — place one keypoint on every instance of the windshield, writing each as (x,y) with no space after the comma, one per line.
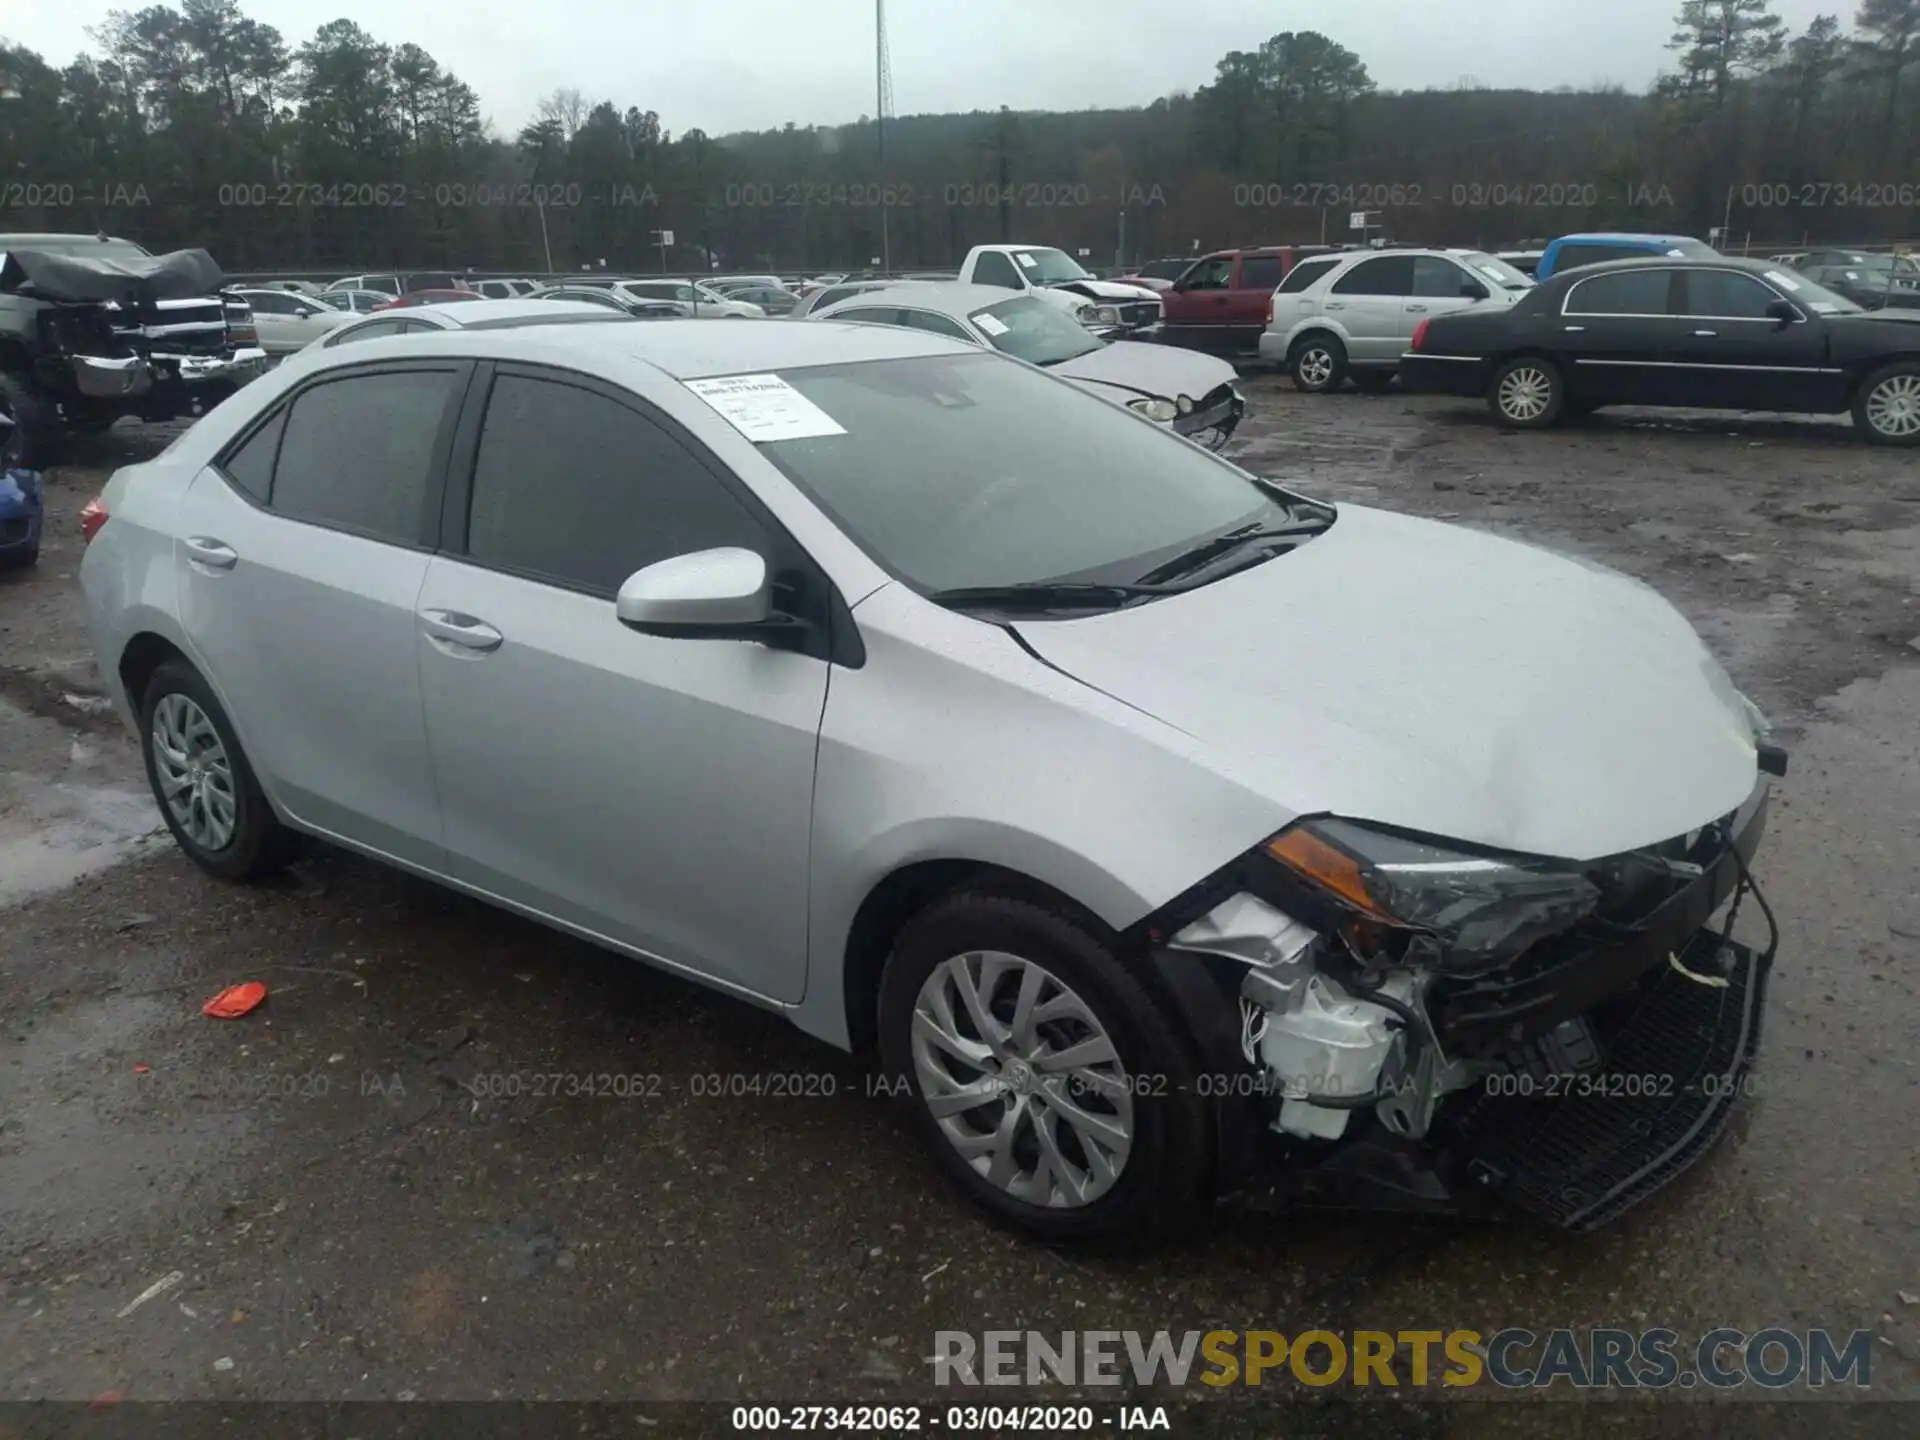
(1048,267)
(1034,331)
(82,245)
(1817,298)
(958,471)
(1163,269)
(1506,276)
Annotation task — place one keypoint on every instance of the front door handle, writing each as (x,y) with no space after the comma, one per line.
(463,632)
(1576,329)
(1336,304)
(1709,334)
(1417,309)
(211,554)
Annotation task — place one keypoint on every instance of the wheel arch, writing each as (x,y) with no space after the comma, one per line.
(904,892)
(1865,370)
(145,652)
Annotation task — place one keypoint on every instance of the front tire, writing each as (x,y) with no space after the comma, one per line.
(1049,1084)
(1528,393)
(206,790)
(1318,363)
(1887,406)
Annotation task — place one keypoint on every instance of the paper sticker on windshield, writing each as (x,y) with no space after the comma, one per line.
(1785,282)
(765,407)
(1025,259)
(992,324)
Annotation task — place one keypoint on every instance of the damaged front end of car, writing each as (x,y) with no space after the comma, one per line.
(1402,1022)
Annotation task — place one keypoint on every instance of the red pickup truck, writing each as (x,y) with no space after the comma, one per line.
(1220,303)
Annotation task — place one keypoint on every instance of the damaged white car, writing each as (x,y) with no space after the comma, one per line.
(1168,833)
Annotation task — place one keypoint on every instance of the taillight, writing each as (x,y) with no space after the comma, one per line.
(1420,333)
(1270,302)
(93,515)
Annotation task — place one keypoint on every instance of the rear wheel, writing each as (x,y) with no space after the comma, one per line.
(1528,393)
(1046,1080)
(1887,407)
(1318,363)
(207,791)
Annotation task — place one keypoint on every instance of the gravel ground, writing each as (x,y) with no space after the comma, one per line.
(369,1193)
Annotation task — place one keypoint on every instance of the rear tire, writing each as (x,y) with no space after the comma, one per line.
(1887,405)
(1528,393)
(206,790)
(1116,1149)
(1318,363)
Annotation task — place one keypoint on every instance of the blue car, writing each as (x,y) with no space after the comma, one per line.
(1572,251)
(23,502)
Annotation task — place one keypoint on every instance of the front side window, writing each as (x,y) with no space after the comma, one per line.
(1215,273)
(1436,278)
(1034,331)
(1627,292)
(994,268)
(357,452)
(962,470)
(272,302)
(573,487)
(1726,295)
(372,330)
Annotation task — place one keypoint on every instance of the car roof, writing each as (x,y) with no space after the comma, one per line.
(682,349)
(489,312)
(1628,237)
(1667,262)
(949,297)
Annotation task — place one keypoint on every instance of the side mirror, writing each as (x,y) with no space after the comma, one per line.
(1473,290)
(1782,312)
(721,594)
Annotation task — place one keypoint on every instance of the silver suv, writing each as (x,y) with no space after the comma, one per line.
(1352,315)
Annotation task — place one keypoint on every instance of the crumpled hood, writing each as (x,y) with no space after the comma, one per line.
(1163,370)
(1441,680)
(1107,289)
(177,275)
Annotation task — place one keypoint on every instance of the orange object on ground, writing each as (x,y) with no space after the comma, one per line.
(235,1001)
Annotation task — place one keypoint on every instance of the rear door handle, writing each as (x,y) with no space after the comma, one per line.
(1417,309)
(1708,333)
(210,554)
(1576,329)
(1336,304)
(451,628)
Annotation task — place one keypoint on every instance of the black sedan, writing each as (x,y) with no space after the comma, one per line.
(1717,334)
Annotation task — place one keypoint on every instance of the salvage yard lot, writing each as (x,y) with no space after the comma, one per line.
(459,1156)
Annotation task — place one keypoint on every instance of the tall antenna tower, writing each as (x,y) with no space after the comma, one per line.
(883,111)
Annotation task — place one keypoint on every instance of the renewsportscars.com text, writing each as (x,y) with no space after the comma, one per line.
(1772,1359)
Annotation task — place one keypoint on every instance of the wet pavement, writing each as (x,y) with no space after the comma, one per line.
(457,1156)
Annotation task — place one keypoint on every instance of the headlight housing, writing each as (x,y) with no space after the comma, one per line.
(1154,408)
(1482,909)
(1100,315)
(1185,404)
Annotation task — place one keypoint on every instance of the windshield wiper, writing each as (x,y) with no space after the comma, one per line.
(1208,551)
(1044,595)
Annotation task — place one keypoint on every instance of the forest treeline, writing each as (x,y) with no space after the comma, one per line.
(199,125)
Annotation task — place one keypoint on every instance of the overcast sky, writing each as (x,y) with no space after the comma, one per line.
(749,64)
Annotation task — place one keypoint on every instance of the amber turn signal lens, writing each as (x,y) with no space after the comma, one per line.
(93,515)
(1307,854)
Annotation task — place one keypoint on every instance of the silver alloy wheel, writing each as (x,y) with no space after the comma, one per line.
(196,777)
(1525,392)
(1893,409)
(1022,1078)
(1315,367)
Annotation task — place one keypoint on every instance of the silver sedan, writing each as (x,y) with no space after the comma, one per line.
(1155,823)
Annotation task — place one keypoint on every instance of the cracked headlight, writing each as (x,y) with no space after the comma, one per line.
(1481,908)
(1155,409)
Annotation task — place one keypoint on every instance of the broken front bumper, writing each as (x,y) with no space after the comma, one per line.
(1215,425)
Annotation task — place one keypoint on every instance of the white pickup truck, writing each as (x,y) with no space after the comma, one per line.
(1131,312)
